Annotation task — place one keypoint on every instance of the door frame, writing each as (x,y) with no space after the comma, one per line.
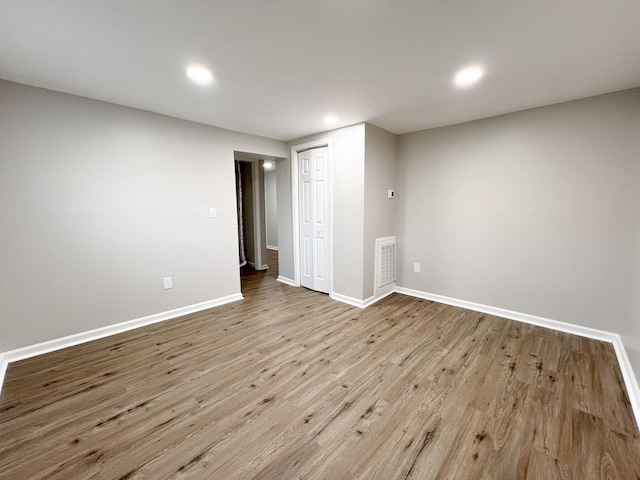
(258,202)
(295,200)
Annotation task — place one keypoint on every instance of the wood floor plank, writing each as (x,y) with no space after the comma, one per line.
(291,384)
(544,467)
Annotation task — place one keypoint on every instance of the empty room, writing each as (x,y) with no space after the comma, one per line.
(356,239)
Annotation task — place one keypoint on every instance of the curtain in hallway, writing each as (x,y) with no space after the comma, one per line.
(241,246)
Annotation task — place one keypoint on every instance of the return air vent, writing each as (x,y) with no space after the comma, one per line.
(385,261)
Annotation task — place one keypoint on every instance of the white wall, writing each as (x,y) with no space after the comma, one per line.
(271,207)
(536,212)
(379,213)
(99,202)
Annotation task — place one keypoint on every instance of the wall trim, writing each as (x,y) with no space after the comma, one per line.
(271,247)
(3,369)
(95,334)
(354,302)
(263,266)
(286,281)
(510,314)
(631,384)
(376,298)
(630,381)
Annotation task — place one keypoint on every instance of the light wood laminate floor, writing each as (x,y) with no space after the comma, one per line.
(288,384)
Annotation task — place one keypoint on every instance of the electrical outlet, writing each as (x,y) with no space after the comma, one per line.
(212,213)
(416,268)
(168,283)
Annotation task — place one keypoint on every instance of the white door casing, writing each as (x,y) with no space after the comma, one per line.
(313,190)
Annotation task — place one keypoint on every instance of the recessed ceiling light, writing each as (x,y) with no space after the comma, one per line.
(267,165)
(468,76)
(330,120)
(200,75)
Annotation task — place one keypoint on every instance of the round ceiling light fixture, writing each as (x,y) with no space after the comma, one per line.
(468,76)
(200,75)
(330,120)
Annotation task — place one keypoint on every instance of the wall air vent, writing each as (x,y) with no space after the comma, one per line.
(385,261)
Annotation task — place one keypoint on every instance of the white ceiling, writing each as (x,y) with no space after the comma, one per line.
(280,66)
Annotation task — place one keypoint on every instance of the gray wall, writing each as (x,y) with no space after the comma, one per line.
(363,166)
(285,214)
(99,202)
(536,212)
(379,214)
(271,207)
(347,209)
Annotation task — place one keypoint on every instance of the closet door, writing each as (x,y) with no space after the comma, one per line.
(314,219)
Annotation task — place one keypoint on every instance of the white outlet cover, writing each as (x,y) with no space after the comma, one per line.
(212,213)
(167,282)
(416,268)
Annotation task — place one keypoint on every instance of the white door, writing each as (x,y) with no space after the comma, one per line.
(314,221)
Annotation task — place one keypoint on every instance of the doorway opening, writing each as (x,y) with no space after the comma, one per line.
(254,258)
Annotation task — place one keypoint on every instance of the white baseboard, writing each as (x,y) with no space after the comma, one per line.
(376,298)
(3,370)
(630,381)
(258,267)
(271,247)
(78,338)
(286,281)
(625,366)
(354,302)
